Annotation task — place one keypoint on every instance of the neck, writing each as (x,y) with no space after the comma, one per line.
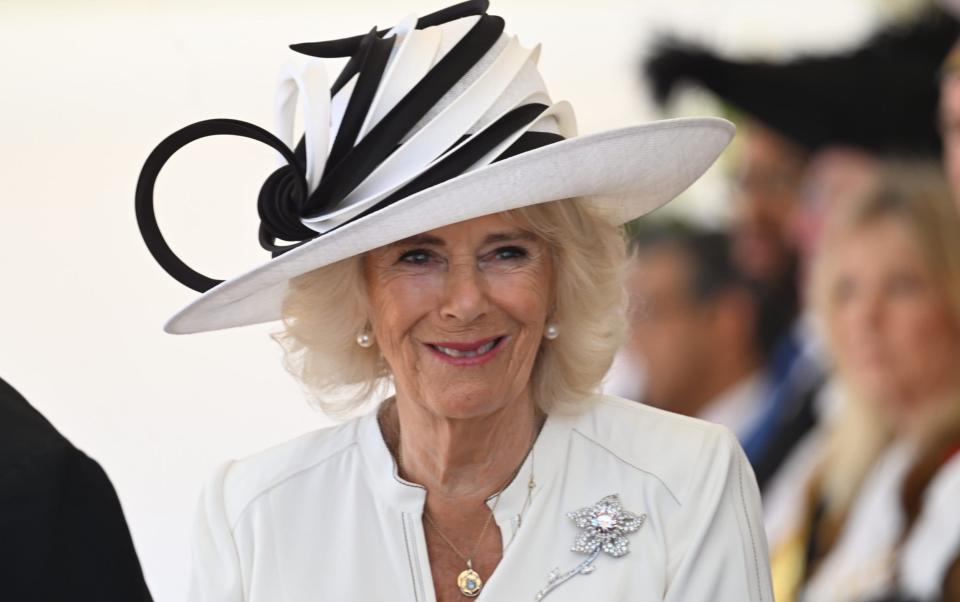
(930,417)
(729,369)
(464,459)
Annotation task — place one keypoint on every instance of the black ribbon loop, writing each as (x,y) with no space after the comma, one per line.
(294,187)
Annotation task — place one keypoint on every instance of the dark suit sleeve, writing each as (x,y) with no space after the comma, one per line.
(62,531)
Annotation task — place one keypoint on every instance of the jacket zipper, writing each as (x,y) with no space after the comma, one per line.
(412,559)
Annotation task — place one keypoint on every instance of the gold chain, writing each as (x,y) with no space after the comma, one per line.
(476,546)
(530,486)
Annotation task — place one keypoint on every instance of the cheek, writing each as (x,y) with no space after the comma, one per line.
(666,345)
(847,326)
(924,332)
(398,303)
(522,297)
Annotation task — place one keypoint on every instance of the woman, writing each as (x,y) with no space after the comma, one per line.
(881,518)
(460,244)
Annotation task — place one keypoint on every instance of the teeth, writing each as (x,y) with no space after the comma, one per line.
(474,353)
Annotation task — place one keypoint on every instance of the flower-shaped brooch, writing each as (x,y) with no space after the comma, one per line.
(603,528)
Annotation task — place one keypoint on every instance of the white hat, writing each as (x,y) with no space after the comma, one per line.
(435,121)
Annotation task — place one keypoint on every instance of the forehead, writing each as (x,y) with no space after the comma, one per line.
(480,230)
(879,245)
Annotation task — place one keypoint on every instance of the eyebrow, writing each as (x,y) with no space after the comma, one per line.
(429,239)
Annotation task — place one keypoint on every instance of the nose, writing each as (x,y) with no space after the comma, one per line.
(465,296)
(869,315)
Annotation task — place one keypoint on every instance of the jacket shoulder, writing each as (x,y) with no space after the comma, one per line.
(247,479)
(677,450)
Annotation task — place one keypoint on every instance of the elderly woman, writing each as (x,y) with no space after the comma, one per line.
(882,520)
(460,244)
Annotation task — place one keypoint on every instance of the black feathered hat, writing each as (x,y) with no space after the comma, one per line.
(881,96)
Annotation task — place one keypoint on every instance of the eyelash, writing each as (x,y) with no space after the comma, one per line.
(408,256)
(516,253)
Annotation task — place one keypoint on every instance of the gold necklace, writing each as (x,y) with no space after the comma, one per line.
(469,581)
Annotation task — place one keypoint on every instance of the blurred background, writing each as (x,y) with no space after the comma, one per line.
(721,277)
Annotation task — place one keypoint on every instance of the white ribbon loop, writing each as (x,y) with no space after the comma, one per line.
(305,80)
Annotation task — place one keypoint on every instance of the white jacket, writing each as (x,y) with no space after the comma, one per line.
(326,518)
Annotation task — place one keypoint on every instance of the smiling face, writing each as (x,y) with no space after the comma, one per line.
(894,332)
(459,313)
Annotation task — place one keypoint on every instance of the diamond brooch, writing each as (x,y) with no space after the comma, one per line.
(603,528)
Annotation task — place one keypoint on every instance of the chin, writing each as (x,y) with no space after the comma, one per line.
(462,403)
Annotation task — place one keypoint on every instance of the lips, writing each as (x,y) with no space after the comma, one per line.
(466,353)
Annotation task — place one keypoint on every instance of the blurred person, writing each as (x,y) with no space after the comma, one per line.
(692,312)
(880,520)
(826,107)
(63,536)
(834,174)
(767,198)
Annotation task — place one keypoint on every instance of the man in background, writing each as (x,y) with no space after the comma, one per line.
(694,328)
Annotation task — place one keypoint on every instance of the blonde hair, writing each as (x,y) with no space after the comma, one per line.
(916,196)
(325,309)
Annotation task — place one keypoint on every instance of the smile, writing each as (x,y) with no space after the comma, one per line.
(472,353)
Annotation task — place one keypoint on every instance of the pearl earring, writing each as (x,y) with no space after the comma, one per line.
(551,332)
(365,339)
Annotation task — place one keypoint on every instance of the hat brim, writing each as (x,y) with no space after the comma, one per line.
(622,174)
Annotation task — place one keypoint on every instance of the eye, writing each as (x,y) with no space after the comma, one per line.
(416,257)
(844,289)
(508,253)
(903,284)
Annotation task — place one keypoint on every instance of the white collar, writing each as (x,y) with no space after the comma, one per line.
(739,407)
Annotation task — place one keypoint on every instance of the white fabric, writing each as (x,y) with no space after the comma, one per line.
(307,80)
(861,561)
(740,407)
(325,517)
(864,561)
(934,541)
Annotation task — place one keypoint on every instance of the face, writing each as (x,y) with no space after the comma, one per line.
(668,328)
(833,176)
(893,330)
(459,313)
(767,203)
(950,129)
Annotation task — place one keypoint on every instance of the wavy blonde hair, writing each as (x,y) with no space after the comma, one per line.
(325,309)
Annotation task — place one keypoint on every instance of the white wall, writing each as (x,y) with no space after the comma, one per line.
(87,91)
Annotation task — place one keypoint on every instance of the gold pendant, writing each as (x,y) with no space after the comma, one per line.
(469,582)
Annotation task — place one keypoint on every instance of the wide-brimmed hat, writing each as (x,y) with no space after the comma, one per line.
(434,121)
(880,96)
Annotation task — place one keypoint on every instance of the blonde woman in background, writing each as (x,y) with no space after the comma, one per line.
(880,519)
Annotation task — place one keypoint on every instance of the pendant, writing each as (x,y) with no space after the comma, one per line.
(469,582)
